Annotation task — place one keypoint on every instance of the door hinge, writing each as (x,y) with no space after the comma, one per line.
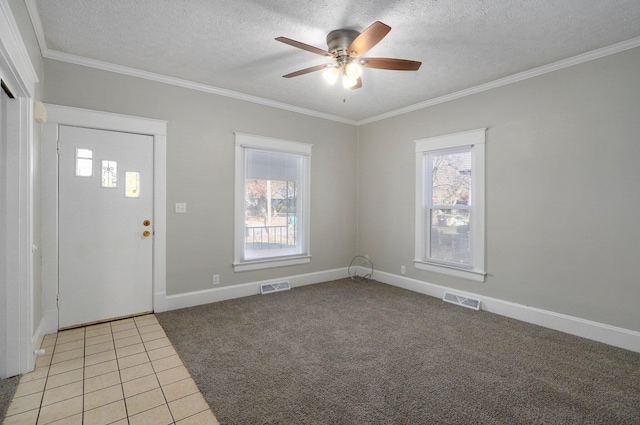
(58,301)
(58,146)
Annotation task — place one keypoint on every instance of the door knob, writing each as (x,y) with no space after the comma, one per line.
(146,223)
(146,233)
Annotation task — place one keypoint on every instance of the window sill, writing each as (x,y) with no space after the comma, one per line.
(270,263)
(474,275)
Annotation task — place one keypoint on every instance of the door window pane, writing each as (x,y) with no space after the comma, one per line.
(109,174)
(84,162)
(132,184)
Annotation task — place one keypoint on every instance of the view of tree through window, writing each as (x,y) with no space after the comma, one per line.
(450,202)
(451,178)
(270,210)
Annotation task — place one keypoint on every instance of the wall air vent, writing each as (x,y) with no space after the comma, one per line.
(267,288)
(452,298)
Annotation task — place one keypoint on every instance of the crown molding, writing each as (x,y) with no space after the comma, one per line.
(132,72)
(32,9)
(19,69)
(78,60)
(545,69)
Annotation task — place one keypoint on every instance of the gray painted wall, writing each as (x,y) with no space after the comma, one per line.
(562,201)
(200,170)
(562,195)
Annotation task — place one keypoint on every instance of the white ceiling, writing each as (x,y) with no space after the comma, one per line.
(228,46)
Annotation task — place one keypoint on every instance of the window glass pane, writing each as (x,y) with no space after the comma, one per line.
(84,162)
(451,173)
(109,174)
(272,189)
(450,239)
(132,184)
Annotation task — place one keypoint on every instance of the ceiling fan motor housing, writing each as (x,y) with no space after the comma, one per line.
(339,41)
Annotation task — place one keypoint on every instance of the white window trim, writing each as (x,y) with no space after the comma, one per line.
(252,141)
(476,139)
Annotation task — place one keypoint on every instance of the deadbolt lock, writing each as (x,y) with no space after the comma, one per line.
(146,223)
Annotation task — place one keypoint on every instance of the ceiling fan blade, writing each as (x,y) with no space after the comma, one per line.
(304,46)
(307,70)
(358,84)
(389,63)
(368,38)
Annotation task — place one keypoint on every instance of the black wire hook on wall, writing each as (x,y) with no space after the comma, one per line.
(360,264)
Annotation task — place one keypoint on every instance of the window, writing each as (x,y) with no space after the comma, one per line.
(272,202)
(132,184)
(84,162)
(450,204)
(109,174)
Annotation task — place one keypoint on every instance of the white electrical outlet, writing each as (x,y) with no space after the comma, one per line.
(216,279)
(181,207)
(403,270)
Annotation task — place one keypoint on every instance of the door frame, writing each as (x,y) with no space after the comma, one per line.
(16,281)
(64,115)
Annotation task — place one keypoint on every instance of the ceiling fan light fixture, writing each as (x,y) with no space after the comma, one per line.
(331,75)
(349,82)
(353,70)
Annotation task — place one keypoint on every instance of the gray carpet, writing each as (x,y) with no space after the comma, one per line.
(7,390)
(367,353)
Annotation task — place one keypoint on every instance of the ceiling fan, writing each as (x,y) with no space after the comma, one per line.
(345,48)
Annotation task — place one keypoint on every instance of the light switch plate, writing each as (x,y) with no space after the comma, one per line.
(181,207)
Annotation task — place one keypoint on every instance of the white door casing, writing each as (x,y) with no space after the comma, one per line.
(105,260)
(3,246)
(59,116)
(18,73)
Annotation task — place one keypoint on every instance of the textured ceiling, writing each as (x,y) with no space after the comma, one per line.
(229,44)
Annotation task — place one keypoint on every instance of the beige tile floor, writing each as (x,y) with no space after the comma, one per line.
(122,372)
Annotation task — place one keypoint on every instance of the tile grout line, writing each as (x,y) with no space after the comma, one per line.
(47,378)
(155,373)
(84,365)
(49,375)
(124,398)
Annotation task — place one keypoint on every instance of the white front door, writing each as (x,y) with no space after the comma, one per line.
(105,225)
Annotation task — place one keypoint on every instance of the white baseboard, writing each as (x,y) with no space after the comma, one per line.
(36,341)
(49,322)
(38,335)
(611,335)
(191,299)
(48,325)
(159,302)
